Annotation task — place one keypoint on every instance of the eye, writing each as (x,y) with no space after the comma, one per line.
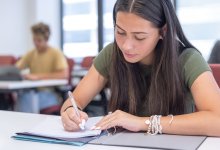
(140,38)
(121,33)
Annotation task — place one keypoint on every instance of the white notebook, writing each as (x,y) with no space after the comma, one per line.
(52,127)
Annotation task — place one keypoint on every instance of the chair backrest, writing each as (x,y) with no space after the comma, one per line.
(7,60)
(216,72)
(87,62)
(71,64)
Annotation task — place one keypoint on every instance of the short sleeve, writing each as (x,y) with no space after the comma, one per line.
(193,65)
(60,61)
(103,60)
(24,61)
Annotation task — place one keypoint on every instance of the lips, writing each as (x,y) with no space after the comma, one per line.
(130,55)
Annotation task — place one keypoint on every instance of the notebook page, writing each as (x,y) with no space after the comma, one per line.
(52,127)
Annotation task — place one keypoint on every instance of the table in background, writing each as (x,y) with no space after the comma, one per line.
(28,84)
(16,86)
(12,122)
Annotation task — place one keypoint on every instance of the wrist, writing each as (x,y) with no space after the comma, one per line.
(67,108)
(143,125)
(71,106)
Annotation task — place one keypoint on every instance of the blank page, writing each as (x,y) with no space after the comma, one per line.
(52,127)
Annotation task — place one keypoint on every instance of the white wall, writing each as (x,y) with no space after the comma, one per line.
(48,11)
(17,16)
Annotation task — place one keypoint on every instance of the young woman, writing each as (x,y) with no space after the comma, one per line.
(152,69)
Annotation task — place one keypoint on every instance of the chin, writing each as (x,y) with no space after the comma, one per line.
(132,61)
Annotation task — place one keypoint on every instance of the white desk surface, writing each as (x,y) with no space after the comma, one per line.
(12,122)
(14,85)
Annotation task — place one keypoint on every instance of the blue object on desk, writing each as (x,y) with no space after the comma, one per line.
(46,140)
(25,136)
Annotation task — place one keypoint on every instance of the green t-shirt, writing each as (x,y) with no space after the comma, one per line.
(191,61)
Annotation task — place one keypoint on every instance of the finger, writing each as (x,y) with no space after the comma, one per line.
(112,122)
(68,124)
(66,121)
(69,129)
(83,115)
(104,119)
(109,125)
(73,116)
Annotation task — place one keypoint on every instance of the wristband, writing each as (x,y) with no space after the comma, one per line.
(67,108)
(70,107)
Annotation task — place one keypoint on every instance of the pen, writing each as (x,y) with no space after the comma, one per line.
(82,124)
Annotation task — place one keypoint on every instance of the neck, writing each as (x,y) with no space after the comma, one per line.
(41,50)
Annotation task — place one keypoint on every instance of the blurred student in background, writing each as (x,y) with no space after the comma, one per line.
(44,62)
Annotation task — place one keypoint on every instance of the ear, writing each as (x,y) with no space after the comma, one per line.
(163,31)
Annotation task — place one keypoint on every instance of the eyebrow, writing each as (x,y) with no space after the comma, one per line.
(131,32)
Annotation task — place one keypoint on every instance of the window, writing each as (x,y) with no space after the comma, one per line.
(200,22)
(80,26)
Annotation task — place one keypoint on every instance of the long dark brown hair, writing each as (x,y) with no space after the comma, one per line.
(163,91)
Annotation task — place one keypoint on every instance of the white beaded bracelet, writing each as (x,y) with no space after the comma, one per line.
(154,124)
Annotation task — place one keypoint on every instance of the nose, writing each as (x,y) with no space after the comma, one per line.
(127,45)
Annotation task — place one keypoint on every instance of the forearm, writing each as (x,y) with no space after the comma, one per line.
(81,97)
(87,89)
(198,123)
(55,75)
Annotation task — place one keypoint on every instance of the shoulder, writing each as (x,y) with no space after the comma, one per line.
(188,54)
(192,65)
(107,50)
(29,54)
(103,60)
(55,52)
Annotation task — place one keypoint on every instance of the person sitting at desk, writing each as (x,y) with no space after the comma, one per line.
(159,81)
(44,62)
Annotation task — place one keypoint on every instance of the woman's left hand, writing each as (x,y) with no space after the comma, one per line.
(122,119)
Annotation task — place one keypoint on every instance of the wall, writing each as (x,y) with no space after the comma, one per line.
(17,16)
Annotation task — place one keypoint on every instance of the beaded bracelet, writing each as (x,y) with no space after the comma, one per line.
(154,124)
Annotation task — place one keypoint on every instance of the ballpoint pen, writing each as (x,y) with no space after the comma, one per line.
(82,124)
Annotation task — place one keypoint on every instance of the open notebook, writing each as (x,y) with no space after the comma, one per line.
(51,130)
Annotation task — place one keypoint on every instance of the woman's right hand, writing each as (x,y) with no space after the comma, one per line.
(70,119)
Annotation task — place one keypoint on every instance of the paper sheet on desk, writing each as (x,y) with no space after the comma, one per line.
(52,127)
